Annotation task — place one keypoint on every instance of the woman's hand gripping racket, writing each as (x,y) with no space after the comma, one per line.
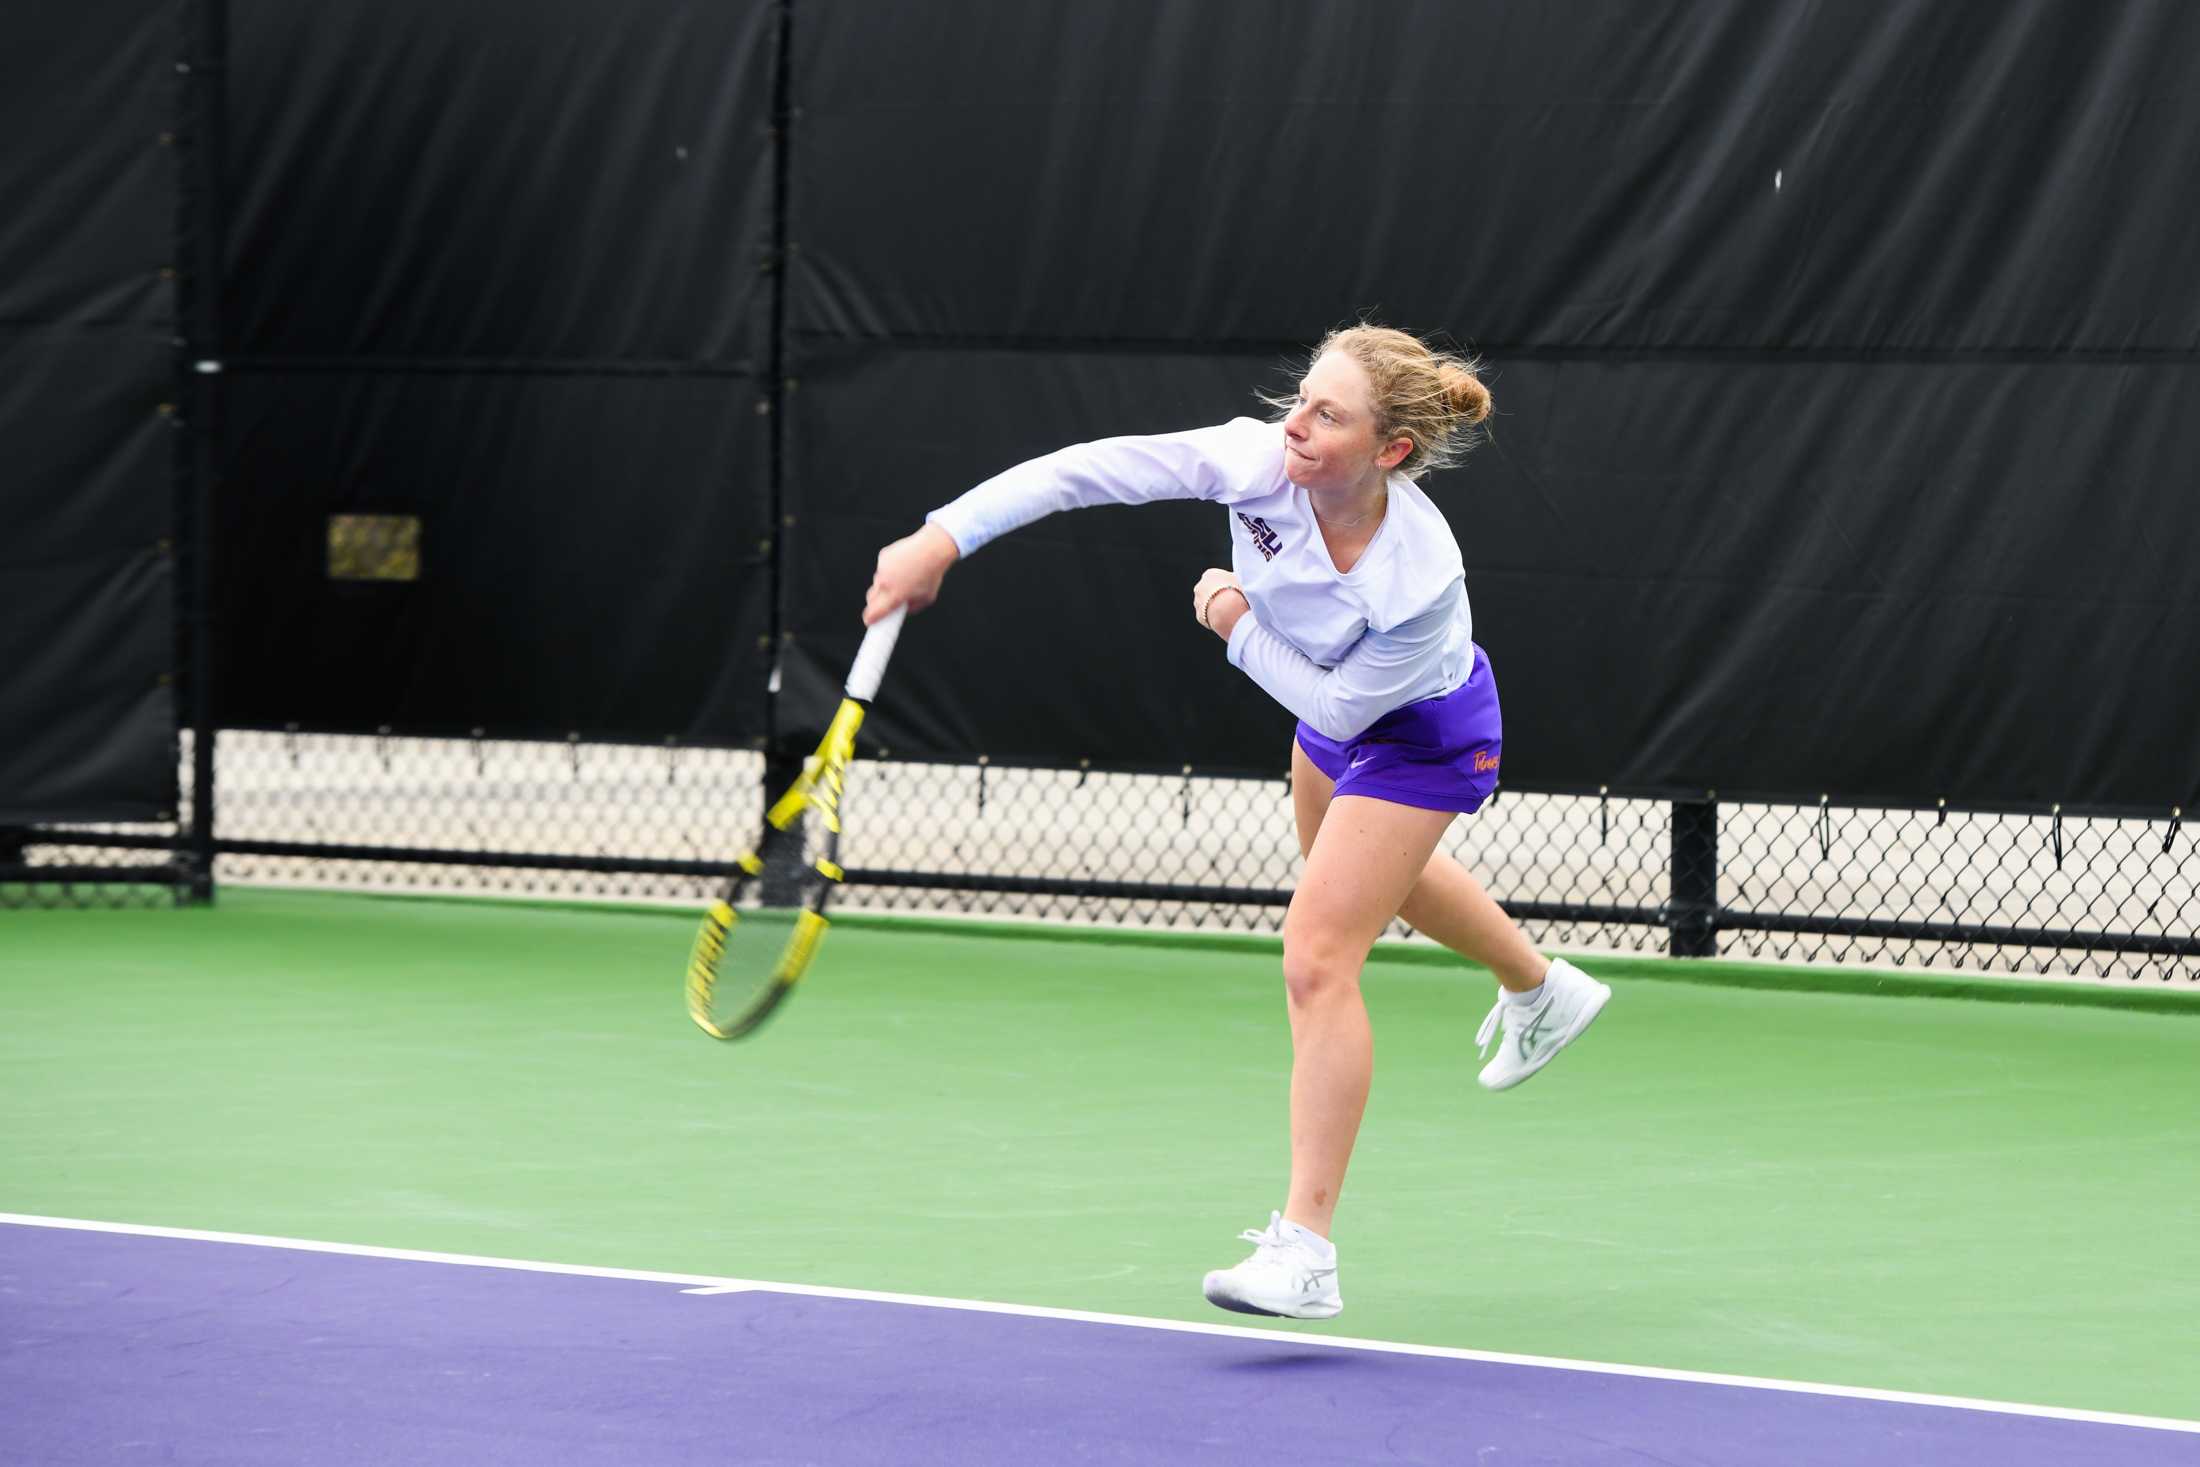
(748,958)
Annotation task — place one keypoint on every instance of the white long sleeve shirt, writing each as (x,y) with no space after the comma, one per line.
(1338,648)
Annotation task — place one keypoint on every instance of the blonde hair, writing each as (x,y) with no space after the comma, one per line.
(1431,397)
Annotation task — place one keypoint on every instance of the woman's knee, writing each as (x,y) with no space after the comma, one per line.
(1317,965)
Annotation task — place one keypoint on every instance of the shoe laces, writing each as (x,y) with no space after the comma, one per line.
(1269,1241)
(1496,1016)
(1488,1031)
(1272,1249)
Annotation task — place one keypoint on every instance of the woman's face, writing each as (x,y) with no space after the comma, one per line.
(1329,439)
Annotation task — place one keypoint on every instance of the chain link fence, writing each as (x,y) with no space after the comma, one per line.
(129,866)
(2053,895)
(111,865)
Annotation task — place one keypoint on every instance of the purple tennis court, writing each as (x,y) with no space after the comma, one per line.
(125,1347)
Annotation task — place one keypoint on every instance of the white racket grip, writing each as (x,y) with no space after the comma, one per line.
(878,645)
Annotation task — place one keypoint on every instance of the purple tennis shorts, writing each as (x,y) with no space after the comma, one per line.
(1440,753)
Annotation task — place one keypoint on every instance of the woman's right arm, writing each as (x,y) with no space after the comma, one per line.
(909,572)
(1223,463)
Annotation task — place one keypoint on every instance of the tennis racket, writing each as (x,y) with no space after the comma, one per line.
(757,940)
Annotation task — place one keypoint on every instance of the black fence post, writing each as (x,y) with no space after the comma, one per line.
(1692,912)
(203,227)
(195,839)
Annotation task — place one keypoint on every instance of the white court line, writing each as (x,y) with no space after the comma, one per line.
(710,1284)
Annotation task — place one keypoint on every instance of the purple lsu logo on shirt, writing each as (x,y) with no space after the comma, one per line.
(1265,540)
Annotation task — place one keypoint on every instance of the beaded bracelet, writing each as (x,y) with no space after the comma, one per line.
(1208,604)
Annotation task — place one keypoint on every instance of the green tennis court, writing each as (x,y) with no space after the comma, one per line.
(1840,1177)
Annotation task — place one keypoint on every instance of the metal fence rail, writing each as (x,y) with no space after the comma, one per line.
(1987,892)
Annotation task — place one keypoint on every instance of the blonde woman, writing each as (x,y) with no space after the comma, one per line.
(1347,604)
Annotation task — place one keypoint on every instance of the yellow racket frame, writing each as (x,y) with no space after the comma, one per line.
(820,786)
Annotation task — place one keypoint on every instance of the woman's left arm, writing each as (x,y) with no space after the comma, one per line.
(1382,671)
(1218,601)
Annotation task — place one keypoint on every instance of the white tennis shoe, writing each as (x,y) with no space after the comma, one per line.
(1283,1277)
(1535,1033)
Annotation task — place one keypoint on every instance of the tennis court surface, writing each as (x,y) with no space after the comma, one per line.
(128,1346)
(980,1173)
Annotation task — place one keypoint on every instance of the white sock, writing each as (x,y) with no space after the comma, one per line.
(1320,1246)
(1533,995)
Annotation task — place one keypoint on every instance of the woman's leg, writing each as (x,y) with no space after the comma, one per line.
(1449,905)
(1447,902)
(1364,859)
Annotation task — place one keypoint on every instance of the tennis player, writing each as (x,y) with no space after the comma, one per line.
(1346,602)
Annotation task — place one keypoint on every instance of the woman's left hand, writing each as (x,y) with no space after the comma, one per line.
(1214,593)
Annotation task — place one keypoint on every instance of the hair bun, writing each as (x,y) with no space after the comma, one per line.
(1469,398)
